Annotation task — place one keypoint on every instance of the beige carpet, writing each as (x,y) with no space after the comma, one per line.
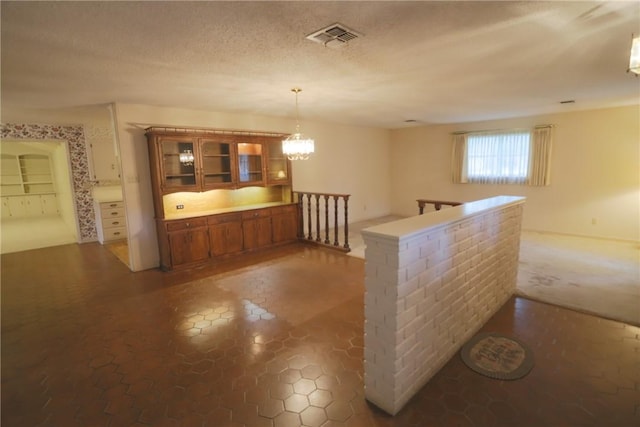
(591,275)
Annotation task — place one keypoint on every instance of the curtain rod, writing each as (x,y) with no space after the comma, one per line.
(464,132)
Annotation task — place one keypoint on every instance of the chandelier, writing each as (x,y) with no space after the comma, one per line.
(634,60)
(297,146)
(186,158)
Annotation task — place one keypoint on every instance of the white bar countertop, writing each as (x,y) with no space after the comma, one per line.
(405,228)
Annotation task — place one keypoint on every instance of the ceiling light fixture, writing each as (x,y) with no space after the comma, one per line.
(297,146)
(634,59)
(186,158)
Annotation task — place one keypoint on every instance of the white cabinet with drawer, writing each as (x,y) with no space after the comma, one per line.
(110,221)
(29,205)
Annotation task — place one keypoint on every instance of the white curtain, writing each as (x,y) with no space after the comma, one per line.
(502,157)
(540,165)
(459,158)
(498,157)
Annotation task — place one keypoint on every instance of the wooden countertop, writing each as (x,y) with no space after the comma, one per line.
(226,210)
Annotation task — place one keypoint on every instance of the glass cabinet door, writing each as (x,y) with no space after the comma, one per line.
(277,164)
(178,163)
(217,161)
(250,163)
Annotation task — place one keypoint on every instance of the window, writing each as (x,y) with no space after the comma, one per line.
(502,157)
(498,157)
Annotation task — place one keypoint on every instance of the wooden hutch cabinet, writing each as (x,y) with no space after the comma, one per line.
(192,164)
(198,161)
(225,232)
(284,223)
(250,164)
(217,159)
(256,229)
(188,241)
(278,166)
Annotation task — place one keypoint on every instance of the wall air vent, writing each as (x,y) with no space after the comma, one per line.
(334,35)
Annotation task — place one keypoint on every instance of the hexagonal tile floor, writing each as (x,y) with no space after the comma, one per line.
(273,339)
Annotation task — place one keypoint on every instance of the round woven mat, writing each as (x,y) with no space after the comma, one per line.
(497,356)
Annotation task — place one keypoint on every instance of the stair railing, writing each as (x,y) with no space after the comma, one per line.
(436,203)
(308,203)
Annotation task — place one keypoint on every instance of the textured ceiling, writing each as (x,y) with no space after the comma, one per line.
(432,62)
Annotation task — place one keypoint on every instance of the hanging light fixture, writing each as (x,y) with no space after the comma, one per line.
(186,158)
(634,59)
(297,146)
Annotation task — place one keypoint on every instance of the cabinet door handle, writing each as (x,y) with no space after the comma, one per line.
(113,205)
(117,233)
(114,213)
(115,222)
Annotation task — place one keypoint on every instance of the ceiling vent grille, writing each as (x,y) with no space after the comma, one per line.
(334,35)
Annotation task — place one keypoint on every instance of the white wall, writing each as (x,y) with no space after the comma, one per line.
(594,176)
(64,192)
(97,115)
(348,159)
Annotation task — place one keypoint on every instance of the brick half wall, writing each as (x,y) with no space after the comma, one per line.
(431,282)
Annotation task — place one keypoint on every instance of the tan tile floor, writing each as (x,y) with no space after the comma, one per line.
(274,340)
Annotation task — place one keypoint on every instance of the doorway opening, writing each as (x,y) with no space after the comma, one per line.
(37,196)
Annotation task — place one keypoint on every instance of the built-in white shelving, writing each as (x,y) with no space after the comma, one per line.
(27,186)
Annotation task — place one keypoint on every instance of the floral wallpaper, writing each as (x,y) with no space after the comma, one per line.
(75,138)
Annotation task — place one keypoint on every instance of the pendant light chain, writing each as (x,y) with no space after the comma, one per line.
(297,90)
(296,146)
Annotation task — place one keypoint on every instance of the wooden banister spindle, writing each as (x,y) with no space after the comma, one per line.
(335,221)
(308,230)
(326,220)
(318,218)
(309,236)
(346,222)
(300,216)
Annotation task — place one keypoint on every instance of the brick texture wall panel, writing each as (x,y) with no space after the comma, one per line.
(429,292)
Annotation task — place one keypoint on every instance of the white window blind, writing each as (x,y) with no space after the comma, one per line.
(502,157)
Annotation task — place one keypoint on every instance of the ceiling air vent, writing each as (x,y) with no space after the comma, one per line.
(334,35)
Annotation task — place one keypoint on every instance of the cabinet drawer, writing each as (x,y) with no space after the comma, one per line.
(115,233)
(224,218)
(280,210)
(186,224)
(258,213)
(112,213)
(111,205)
(113,222)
